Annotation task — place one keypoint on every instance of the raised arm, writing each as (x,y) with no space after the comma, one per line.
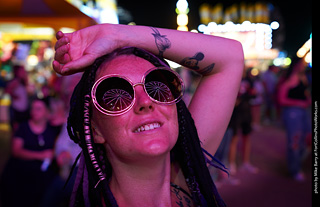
(218,60)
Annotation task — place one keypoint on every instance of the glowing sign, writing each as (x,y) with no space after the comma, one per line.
(256,38)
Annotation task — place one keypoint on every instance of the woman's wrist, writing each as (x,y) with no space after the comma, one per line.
(122,35)
(134,36)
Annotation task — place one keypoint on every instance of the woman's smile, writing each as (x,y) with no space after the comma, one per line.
(147,127)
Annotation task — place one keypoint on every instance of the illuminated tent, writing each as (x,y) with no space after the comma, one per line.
(52,13)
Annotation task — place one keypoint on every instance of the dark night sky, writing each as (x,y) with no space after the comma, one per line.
(296,16)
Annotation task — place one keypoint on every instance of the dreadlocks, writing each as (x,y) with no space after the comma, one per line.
(94,172)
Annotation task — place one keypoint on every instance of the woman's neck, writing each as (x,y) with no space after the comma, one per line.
(142,185)
(38,126)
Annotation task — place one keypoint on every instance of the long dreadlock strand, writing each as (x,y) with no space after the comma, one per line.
(195,169)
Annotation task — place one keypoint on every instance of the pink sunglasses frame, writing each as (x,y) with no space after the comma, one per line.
(142,82)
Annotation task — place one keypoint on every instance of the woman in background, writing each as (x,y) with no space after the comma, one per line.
(295,100)
(28,173)
(17,88)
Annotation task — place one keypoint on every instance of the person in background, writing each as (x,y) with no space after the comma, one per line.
(257,101)
(295,100)
(241,119)
(28,171)
(65,150)
(222,155)
(270,81)
(17,88)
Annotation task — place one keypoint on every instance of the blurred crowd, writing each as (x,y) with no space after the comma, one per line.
(280,97)
(42,155)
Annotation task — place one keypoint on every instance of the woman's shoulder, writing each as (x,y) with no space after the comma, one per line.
(23,128)
(54,130)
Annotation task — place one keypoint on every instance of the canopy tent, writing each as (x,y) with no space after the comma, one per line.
(52,13)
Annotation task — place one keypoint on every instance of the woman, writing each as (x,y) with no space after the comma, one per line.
(242,119)
(147,152)
(27,173)
(17,88)
(295,99)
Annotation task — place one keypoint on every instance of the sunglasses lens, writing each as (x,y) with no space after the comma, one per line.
(114,94)
(163,86)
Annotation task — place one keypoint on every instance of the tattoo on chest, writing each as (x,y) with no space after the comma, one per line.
(179,197)
(162,42)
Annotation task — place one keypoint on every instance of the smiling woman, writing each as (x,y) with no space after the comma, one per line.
(141,147)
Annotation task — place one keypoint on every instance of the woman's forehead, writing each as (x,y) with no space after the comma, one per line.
(131,66)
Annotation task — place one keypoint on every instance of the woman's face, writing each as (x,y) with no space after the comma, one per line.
(122,135)
(39,111)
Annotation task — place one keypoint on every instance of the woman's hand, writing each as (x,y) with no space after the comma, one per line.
(45,154)
(77,50)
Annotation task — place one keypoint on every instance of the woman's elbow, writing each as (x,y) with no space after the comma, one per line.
(237,49)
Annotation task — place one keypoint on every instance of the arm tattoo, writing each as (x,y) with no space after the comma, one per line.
(161,41)
(192,63)
(207,70)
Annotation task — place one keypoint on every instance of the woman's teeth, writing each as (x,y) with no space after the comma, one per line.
(147,127)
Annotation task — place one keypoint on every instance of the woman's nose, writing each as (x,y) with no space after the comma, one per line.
(143,102)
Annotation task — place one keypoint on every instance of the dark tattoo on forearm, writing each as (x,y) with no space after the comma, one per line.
(192,63)
(207,70)
(161,41)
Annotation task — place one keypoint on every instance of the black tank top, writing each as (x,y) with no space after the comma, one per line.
(298,92)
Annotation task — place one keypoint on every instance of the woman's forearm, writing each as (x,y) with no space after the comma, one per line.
(205,54)
(27,154)
(202,53)
(19,151)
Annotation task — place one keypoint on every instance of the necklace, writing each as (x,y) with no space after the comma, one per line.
(38,131)
(41,141)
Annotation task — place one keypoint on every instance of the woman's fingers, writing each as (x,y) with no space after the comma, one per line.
(76,66)
(57,66)
(62,55)
(62,41)
(59,35)
(62,47)
(73,55)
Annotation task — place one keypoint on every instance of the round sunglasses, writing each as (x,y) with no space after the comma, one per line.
(114,95)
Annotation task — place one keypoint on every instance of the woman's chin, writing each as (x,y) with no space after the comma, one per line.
(156,148)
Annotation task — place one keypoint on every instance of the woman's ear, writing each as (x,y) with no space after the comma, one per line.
(97,136)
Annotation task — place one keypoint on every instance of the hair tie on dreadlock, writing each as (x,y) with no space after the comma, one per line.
(88,139)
